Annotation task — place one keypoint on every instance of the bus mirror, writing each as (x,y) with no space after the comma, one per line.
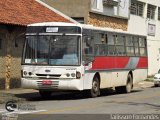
(87,60)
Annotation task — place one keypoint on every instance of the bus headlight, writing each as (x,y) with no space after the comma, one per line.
(73,74)
(78,75)
(30,73)
(67,74)
(24,73)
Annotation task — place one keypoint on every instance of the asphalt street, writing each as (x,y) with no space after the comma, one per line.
(74,105)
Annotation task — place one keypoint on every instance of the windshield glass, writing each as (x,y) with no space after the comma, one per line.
(52,50)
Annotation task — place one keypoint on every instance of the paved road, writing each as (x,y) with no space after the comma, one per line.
(140,101)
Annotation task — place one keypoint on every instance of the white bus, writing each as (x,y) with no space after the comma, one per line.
(66,56)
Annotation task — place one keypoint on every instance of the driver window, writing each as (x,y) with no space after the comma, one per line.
(88,45)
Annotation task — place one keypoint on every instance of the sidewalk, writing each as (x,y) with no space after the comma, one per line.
(6,95)
(144,84)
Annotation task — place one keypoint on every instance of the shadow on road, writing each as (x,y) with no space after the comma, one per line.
(66,95)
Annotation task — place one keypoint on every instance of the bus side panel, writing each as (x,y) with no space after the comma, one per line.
(88,78)
(139,75)
(119,78)
(106,79)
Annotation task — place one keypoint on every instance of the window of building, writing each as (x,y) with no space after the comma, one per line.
(151,11)
(96,4)
(158,13)
(137,8)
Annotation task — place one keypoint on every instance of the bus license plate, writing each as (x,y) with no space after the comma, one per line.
(46,82)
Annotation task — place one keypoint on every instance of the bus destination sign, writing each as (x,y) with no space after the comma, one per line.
(52,29)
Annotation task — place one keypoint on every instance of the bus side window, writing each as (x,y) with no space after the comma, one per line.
(87,45)
(100,49)
(120,42)
(111,44)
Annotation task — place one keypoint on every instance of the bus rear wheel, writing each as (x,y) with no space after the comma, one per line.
(95,90)
(127,88)
(45,94)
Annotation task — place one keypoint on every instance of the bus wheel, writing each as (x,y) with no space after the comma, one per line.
(156,85)
(127,88)
(45,94)
(95,91)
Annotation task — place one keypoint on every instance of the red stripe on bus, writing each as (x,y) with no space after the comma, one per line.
(143,62)
(110,62)
(116,63)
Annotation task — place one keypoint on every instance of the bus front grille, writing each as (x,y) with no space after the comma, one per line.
(56,76)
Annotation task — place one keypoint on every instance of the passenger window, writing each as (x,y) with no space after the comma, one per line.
(110,40)
(141,42)
(111,50)
(100,49)
(120,50)
(120,40)
(88,45)
(136,41)
(129,40)
(130,51)
(136,51)
(142,52)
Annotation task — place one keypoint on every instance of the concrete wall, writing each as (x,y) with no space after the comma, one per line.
(2,59)
(106,21)
(10,56)
(72,8)
(139,25)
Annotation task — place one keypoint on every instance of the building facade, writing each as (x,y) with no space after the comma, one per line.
(145,20)
(102,13)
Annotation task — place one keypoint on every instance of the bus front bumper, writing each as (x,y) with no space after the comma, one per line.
(60,84)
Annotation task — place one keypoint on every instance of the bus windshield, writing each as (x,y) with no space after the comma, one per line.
(52,50)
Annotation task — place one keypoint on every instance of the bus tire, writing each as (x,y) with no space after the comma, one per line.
(45,94)
(127,88)
(156,85)
(95,90)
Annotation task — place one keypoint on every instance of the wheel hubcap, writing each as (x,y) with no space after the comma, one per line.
(95,87)
(129,87)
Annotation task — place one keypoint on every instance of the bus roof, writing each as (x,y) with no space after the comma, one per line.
(54,24)
(110,30)
(84,26)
